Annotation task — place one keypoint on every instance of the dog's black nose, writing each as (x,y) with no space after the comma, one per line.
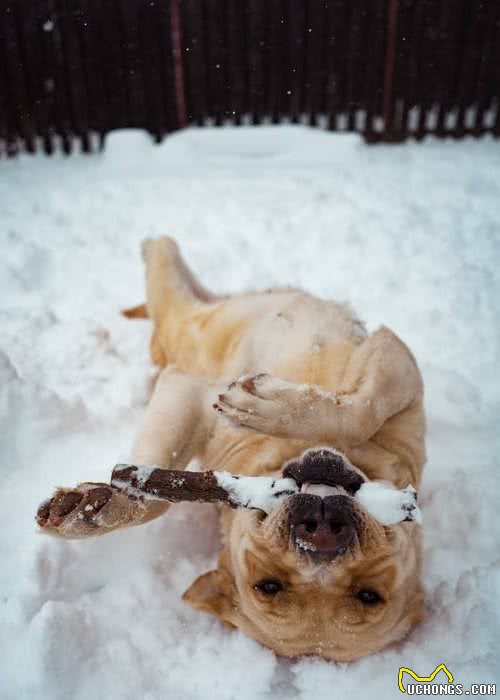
(322,528)
(324,466)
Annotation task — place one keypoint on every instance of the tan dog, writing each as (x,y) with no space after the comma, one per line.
(319,575)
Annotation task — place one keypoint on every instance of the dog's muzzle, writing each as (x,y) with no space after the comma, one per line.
(324,519)
(324,528)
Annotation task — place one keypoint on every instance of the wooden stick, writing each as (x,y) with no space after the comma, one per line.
(169,485)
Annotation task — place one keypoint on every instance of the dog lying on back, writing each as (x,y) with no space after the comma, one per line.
(262,383)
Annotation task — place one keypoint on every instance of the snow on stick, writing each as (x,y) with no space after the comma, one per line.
(387,504)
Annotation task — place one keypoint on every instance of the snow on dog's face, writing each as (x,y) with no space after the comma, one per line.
(318,575)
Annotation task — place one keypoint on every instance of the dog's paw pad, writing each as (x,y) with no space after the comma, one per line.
(52,512)
(96,499)
(63,505)
(79,505)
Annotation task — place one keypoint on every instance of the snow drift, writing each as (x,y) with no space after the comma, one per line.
(409,234)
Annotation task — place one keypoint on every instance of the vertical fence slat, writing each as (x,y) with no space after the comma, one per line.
(363,37)
(471,57)
(132,63)
(456,88)
(409,79)
(237,67)
(353,88)
(7,123)
(91,37)
(148,21)
(4,97)
(407,72)
(55,77)
(496,64)
(429,67)
(486,69)
(26,125)
(389,66)
(315,39)
(337,45)
(375,69)
(483,49)
(277,60)
(344,70)
(257,73)
(11,66)
(35,21)
(217,57)
(451,13)
(167,69)
(113,64)
(194,60)
(82,29)
(297,55)
(69,16)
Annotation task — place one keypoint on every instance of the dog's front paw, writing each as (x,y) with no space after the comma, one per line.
(261,402)
(87,510)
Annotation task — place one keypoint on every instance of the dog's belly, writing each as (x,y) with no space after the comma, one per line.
(289,334)
(299,338)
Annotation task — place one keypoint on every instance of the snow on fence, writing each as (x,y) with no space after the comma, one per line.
(72,70)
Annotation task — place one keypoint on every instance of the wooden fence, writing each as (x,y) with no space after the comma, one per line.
(72,70)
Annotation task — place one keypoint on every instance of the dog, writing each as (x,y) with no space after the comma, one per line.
(267,383)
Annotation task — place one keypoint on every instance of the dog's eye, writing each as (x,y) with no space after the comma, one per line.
(269,586)
(368,596)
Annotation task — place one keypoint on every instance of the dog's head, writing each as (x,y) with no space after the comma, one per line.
(319,575)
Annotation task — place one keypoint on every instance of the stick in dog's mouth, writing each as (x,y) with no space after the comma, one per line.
(385,503)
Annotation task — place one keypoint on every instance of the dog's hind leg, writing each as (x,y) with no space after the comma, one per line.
(169,281)
(172,293)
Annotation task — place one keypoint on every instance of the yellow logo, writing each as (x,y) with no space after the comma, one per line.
(422,679)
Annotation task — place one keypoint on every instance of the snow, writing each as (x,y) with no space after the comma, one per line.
(262,493)
(388,504)
(307,546)
(408,233)
(144,471)
(141,474)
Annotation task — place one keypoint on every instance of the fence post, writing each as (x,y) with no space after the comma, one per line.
(390,56)
(180,86)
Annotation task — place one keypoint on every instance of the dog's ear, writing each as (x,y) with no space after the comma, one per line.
(213,592)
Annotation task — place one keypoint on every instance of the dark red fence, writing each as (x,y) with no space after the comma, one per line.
(72,70)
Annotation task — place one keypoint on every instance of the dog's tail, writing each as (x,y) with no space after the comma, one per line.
(136,312)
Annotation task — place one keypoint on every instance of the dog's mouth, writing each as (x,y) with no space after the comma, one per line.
(323,517)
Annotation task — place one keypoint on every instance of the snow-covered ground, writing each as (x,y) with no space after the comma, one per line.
(409,234)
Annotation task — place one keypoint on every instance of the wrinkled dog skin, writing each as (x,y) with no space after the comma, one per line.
(280,383)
